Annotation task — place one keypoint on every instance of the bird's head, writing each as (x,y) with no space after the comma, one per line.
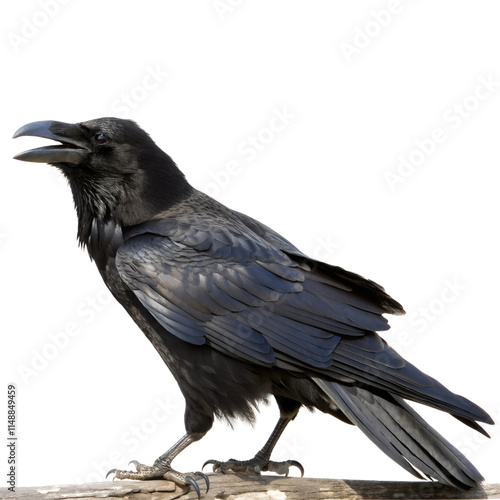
(114,168)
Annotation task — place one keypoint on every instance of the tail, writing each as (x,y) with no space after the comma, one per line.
(403,434)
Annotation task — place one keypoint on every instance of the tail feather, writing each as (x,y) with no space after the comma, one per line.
(369,360)
(403,435)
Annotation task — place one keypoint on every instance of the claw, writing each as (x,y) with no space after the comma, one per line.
(112,471)
(213,462)
(135,462)
(205,477)
(194,484)
(298,465)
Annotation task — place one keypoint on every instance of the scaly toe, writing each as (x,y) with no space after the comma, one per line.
(254,466)
(142,472)
(283,468)
(186,479)
(251,467)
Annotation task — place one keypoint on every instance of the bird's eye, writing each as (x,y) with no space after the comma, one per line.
(101,139)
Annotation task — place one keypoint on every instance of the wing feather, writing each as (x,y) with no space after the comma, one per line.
(230,287)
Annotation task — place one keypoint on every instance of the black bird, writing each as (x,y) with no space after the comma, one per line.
(238,313)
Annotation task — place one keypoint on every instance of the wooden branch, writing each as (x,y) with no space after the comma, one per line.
(234,487)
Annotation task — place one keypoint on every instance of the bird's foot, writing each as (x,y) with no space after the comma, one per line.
(159,470)
(254,466)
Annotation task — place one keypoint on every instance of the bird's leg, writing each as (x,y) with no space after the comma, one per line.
(261,461)
(161,468)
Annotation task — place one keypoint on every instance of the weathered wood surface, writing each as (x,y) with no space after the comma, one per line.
(233,487)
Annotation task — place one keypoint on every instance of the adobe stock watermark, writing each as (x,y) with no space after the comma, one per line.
(249,148)
(58,341)
(33,24)
(131,438)
(288,449)
(367,32)
(152,78)
(472,441)
(427,313)
(453,118)
(224,7)
(325,247)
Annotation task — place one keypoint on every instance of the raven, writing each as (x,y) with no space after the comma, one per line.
(238,313)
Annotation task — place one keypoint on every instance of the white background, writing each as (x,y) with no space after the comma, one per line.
(91,391)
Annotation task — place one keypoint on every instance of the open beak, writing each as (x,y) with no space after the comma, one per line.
(74,147)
